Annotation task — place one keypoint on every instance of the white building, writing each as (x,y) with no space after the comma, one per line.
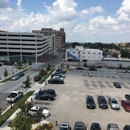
(83,54)
(20,46)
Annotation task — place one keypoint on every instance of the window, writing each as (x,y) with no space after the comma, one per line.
(83,52)
(73,52)
(83,56)
(99,53)
(88,52)
(93,52)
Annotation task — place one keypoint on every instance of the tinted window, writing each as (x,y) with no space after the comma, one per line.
(115,102)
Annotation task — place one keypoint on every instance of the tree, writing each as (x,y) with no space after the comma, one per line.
(48,67)
(5,73)
(30,62)
(128,67)
(46,126)
(27,83)
(19,66)
(85,64)
(0,110)
(21,122)
(120,66)
(41,74)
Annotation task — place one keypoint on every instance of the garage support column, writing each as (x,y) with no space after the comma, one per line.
(8,56)
(21,56)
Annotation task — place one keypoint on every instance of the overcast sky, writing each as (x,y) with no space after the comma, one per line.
(104,21)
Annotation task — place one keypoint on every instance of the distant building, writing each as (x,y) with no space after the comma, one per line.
(20,46)
(51,32)
(83,54)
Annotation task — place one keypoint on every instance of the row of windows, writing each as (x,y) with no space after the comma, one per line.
(85,57)
(88,53)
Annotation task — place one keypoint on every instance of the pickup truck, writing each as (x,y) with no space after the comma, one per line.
(14,96)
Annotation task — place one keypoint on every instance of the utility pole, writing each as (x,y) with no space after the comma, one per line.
(79,59)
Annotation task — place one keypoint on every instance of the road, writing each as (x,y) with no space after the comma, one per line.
(16,85)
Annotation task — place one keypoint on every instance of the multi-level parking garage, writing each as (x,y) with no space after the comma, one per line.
(20,46)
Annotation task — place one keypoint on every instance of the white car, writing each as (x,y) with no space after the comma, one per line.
(113,103)
(34,110)
(54,77)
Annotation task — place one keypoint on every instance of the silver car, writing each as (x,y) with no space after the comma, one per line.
(64,126)
(113,103)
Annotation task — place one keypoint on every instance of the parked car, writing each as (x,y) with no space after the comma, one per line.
(56,81)
(37,78)
(79,126)
(50,91)
(117,85)
(21,74)
(84,60)
(90,103)
(112,126)
(58,74)
(33,111)
(45,96)
(60,71)
(95,126)
(126,127)
(64,126)
(102,102)
(127,96)
(126,105)
(90,75)
(93,69)
(113,103)
(55,77)
(15,77)
(79,68)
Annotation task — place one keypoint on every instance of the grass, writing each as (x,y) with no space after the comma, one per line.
(9,112)
(46,76)
(5,80)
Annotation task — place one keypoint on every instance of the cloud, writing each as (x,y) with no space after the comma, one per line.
(4,3)
(91,11)
(19,3)
(124,11)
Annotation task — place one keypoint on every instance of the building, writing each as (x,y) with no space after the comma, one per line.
(20,46)
(83,54)
(55,35)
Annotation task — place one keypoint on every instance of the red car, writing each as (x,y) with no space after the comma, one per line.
(126,105)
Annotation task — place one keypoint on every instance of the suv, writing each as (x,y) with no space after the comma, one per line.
(50,91)
(64,126)
(95,126)
(90,103)
(112,126)
(113,103)
(33,111)
(102,102)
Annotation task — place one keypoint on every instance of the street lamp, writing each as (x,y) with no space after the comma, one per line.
(117,67)
(79,59)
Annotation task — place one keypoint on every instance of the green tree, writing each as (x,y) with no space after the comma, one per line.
(21,122)
(39,116)
(41,74)
(26,83)
(85,64)
(67,66)
(19,67)
(0,110)
(5,73)
(46,126)
(128,67)
(120,66)
(30,62)
(48,67)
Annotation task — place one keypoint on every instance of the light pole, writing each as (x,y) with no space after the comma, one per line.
(79,59)
(117,67)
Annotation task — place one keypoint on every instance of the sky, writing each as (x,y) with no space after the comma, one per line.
(106,21)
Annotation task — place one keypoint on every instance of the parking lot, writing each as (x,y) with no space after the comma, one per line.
(70,103)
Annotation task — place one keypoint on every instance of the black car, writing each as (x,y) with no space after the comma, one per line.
(84,60)
(37,78)
(45,96)
(56,81)
(117,85)
(127,96)
(79,68)
(50,91)
(60,71)
(95,126)
(79,126)
(90,103)
(102,102)
(92,69)
(126,127)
